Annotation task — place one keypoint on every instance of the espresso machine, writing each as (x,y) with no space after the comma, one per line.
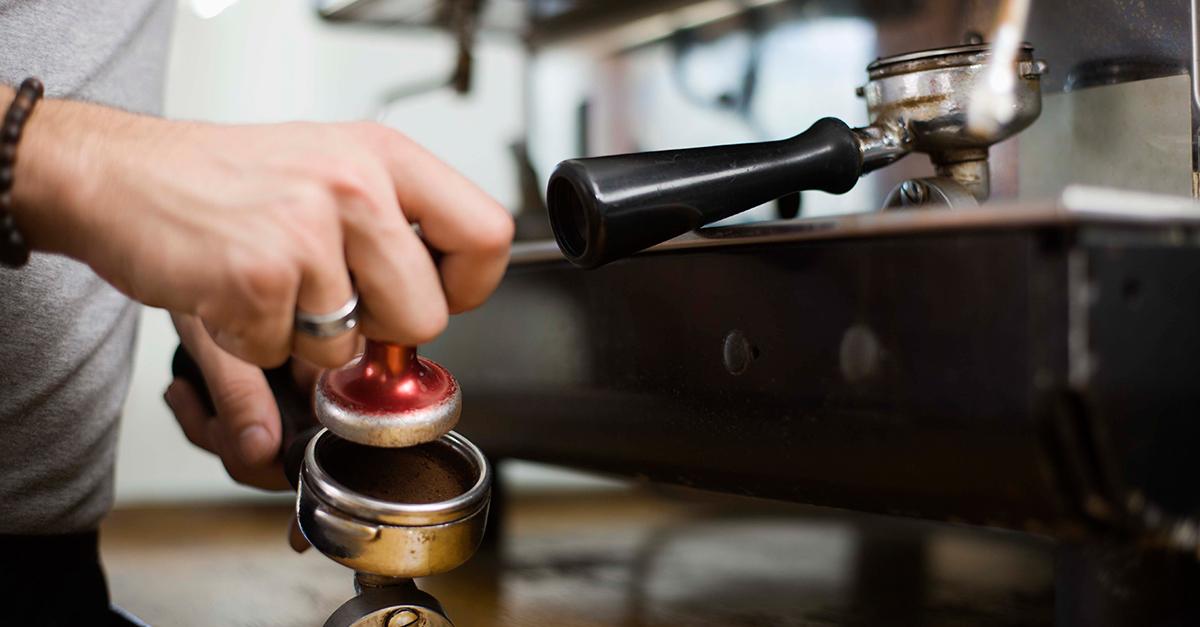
(997,331)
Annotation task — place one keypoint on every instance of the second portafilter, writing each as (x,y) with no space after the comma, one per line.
(605,208)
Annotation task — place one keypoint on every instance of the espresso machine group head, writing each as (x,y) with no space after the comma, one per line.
(604,208)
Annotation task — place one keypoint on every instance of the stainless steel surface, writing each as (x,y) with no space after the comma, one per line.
(1131,135)
(386,429)
(389,538)
(923,99)
(880,146)
(930,193)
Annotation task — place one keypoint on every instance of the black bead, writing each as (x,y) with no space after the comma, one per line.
(33,85)
(15,257)
(15,115)
(14,254)
(11,133)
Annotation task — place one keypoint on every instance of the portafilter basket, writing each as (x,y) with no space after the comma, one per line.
(394,512)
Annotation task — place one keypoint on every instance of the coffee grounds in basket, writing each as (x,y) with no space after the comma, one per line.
(427,473)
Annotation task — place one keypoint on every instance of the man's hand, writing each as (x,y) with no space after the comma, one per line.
(245,432)
(234,228)
(242,225)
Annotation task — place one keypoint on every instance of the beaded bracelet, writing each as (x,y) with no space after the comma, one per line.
(14,252)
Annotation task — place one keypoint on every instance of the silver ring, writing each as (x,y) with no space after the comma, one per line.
(331,324)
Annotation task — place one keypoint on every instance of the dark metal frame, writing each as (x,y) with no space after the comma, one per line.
(1034,372)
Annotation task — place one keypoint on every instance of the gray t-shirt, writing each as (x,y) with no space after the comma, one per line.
(66,337)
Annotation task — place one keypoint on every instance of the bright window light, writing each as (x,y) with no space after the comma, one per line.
(207,9)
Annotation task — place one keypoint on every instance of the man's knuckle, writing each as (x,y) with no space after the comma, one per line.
(264,277)
(310,200)
(346,180)
(494,233)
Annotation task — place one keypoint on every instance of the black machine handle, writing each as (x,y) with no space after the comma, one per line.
(604,208)
(299,423)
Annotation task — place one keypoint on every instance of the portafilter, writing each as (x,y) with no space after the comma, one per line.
(604,208)
(387,490)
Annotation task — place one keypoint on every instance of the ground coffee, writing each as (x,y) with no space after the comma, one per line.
(427,473)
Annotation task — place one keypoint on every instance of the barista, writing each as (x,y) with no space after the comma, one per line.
(239,231)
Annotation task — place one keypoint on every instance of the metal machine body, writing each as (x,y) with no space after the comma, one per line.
(1118,111)
(1022,368)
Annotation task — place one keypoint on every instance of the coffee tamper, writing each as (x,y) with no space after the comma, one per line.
(388,397)
(386,488)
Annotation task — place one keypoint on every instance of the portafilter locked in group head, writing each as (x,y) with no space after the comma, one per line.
(605,208)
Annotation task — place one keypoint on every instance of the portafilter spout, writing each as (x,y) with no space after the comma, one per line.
(604,208)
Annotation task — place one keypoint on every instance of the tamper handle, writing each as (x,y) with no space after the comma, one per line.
(297,420)
(604,208)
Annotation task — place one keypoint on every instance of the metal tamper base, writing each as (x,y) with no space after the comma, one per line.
(388,397)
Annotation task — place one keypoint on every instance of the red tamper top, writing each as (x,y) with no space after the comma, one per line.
(388,396)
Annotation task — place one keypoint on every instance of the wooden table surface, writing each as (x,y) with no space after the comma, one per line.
(639,557)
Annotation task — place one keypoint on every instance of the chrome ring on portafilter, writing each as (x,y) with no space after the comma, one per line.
(357,525)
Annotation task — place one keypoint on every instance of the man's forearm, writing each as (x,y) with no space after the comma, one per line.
(51,180)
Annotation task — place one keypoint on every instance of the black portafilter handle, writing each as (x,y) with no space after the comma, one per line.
(605,208)
(298,421)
